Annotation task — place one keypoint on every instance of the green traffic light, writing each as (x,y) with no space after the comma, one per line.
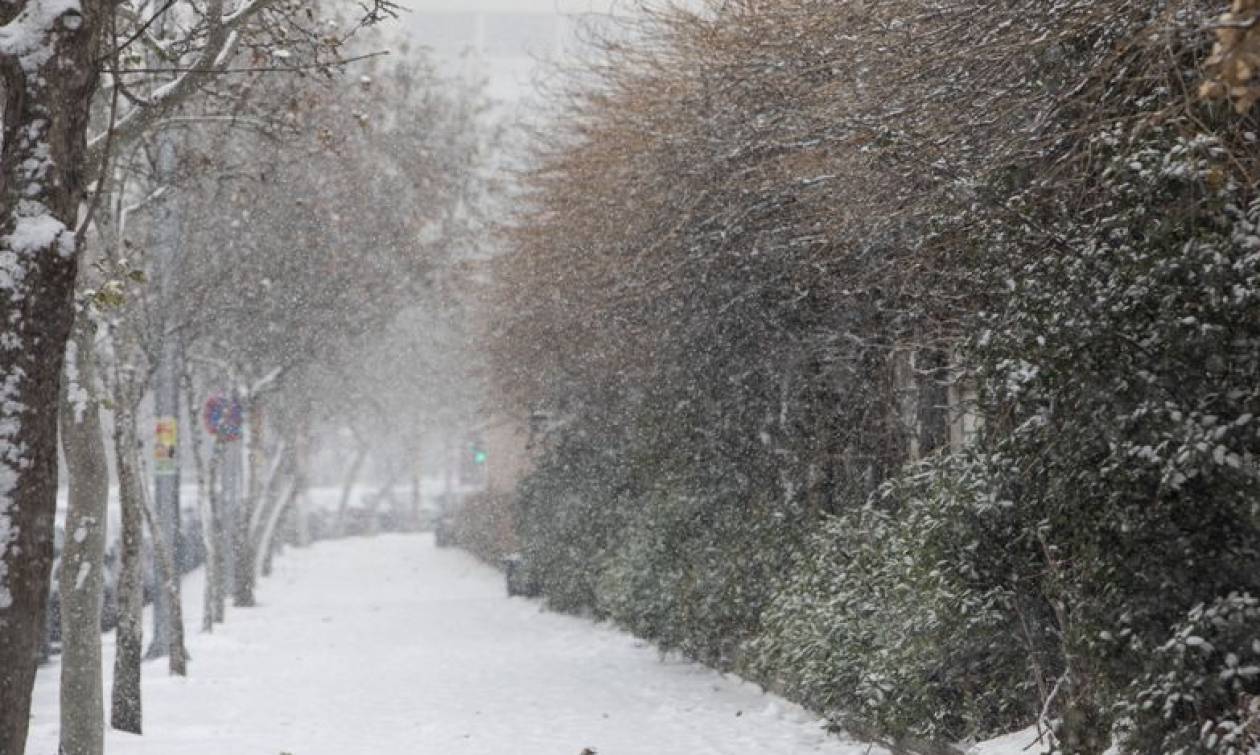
(480,457)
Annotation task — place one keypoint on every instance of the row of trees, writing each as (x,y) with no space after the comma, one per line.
(305,209)
(901,354)
(62,128)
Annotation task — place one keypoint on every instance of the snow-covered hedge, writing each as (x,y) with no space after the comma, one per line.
(694,575)
(1125,365)
(1201,689)
(779,243)
(915,613)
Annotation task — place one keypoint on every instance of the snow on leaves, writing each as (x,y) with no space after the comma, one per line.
(1035,166)
(1202,693)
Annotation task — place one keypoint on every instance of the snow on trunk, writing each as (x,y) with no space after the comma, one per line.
(126,712)
(48,53)
(83,557)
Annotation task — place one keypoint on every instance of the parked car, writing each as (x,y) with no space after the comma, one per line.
(109,605)
(192,550)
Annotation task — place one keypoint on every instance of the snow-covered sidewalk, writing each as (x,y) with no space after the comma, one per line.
(390,646)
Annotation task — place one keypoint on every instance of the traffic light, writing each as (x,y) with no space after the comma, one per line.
(473,461)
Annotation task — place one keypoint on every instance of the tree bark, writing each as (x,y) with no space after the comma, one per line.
(347,487)
(125,709)
(245,575)
(48,65)
(165,555)
(219,533)
(83,555)
(265,536)
(301,470)
(205,506)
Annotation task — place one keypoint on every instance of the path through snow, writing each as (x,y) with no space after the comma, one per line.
(389,646)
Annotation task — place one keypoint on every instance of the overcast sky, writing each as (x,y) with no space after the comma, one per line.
(512,35)
(530,6)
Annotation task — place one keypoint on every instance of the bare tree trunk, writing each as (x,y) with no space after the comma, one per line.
(413,461)
(47,101)
(376,502)
(83,555)
(274,542)
(266,534)
(177,653)
(301,470)
(289,512)
(301,514)
(243,565)
(125,708)
(245,575)
(205,504)
(218,533)
(347,487)
(271,503)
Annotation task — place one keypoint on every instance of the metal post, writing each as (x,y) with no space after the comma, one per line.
(166,390)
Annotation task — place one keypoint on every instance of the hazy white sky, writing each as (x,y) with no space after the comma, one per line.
(527,6)
(512,36)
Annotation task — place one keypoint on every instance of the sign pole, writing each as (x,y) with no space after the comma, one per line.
(166,395)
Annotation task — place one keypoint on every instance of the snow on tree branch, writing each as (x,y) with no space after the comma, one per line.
(259,29)
(27,37)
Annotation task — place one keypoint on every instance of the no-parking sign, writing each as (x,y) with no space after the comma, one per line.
(223,418)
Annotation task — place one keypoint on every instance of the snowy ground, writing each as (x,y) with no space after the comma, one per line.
(389,645)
